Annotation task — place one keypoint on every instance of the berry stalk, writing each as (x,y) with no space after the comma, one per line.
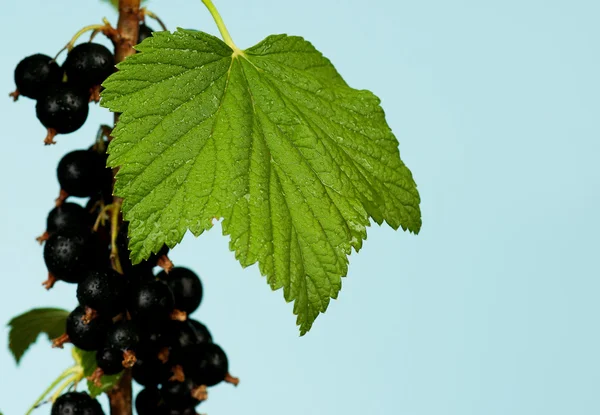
(127,29)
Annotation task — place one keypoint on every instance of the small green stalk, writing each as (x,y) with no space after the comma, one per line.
(222,28)
(70,373)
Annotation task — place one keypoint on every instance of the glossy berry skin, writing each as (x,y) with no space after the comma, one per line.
(80,173)
(124,335)
(153,301)
(89,64)
(110,360)
(178,395)
(68,255)
(206,364)
(86,336)
(149,402)
(35,73)
(181,336)
(144,267)
(202,333)
(154,336)
(186,288)
(149,370)
(63,107)
(68,216)
(102,290)
(144,33)
(76,403)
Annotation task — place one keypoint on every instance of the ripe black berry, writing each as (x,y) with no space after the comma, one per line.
(144,33)
(202,333)
(124,335)
(153,301)
(63,108)
(67,255)
(35,74)
(86,336)
(186,287)
(149,370)
(178,395)
(206,364)
(154,336)
(149,402)
(181,335)
(102,290)
(110,360)
(68,216)
(81,172)
(76,403)
(89,64)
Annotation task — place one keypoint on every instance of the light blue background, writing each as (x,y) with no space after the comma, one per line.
(492,310)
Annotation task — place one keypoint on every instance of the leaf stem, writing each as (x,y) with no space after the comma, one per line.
(63,375)
(221,25)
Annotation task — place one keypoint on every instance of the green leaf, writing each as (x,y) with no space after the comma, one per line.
(273,141)
(88,361)
(25,329)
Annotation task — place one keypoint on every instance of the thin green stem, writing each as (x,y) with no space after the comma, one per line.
(221,25)
(63,375)
(70,380)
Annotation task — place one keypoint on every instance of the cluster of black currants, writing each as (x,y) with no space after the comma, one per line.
(131,317)
(63,93)
(135,320)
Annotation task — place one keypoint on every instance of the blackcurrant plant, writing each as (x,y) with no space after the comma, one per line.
(269,139)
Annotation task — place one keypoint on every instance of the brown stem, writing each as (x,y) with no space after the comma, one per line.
(165,263)
(128,27)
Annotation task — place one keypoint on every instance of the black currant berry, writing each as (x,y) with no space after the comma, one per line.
(178,395)
(206,364)
(102,290)
(154,336)
(110,360)
(181,335)
(124,335)
(149,370)
(80,173)
(143,268)
(63,108)
(144,33)
(202,333)
(88,336)
(68,216)
(68,254)
(149,402)
(89,64)
(35,74)
(186,287)
(76,403)
(153,301)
